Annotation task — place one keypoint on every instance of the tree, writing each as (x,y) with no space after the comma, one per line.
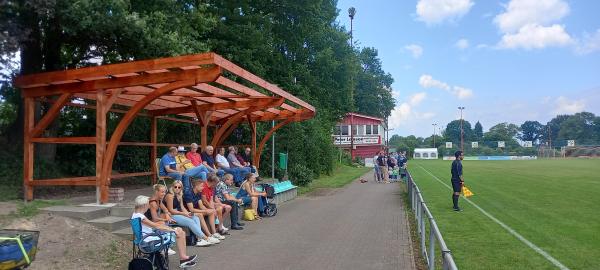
(373,91)
(531,131)
(478,131)
(553,128)
(578,127)
(452,132)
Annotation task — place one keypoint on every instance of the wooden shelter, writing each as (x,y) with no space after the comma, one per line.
(203,89)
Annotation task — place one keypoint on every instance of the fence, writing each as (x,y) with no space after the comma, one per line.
(419,207)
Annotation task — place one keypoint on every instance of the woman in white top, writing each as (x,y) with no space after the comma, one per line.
(148,226)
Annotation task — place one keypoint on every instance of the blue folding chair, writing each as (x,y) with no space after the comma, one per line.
(156,250)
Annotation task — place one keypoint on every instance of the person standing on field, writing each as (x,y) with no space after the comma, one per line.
(457,178)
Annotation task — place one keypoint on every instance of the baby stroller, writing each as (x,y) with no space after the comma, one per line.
(269,208)
(17,248)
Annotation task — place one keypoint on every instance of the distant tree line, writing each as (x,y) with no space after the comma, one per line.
(297,45)
(583,127)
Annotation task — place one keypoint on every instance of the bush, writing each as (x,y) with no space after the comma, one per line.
(300,174)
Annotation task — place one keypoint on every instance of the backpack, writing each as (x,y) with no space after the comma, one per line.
(191,239)
(270,190)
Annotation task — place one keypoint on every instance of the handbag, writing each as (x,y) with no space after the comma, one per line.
(249,214)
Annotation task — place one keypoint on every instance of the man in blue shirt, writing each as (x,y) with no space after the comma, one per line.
(168,167)
(457,178)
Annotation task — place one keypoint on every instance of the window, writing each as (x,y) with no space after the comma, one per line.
(375,129)
(337,130)
(361,130)
(344,130)
(425,155)
(368,127)
(433,155)
(417,155)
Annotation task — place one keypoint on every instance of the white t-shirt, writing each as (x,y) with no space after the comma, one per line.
(145,229)
(222,161)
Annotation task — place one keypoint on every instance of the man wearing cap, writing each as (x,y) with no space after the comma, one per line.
(185,165)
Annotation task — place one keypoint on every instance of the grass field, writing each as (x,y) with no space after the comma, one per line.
(555,204)
(341,175)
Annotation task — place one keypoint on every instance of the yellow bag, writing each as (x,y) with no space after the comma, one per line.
(249,214)
(466,192)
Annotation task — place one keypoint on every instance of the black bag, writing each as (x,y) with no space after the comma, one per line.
(191,239)
(140,264)
(270,210)
(160,261)
(270,190)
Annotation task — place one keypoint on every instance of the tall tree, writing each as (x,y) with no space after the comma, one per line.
(531,131)
(478,131)
(373,94)
(452,132)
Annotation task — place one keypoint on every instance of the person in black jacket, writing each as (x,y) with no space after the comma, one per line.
(383,167)
(457,178)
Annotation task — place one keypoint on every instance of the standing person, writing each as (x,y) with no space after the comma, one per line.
(378,176)
(402,164)
(457,178)
(382,163)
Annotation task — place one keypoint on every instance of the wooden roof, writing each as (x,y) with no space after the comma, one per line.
(216,85)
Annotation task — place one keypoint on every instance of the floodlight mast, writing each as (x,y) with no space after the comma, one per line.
(351,13)
(461,129)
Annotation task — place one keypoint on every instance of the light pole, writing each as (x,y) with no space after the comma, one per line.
(434,125)
(351,13)
(461,129)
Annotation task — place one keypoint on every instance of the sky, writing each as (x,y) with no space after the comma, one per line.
(504,61)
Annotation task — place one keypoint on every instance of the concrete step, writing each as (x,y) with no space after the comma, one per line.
(78,212)
(110,223)
(124,233)
(121,211)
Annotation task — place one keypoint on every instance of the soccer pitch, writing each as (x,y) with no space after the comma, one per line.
(554,204)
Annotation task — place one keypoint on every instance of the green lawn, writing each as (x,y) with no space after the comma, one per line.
(555,204)
(341,176)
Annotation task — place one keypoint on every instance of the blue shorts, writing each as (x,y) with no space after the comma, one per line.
(246,200)
(456,186)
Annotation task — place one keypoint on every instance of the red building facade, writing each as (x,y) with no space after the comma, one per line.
(366,139)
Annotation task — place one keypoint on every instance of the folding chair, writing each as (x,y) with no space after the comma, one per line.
(156,250)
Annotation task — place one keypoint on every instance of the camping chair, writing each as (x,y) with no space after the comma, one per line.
(155,251)
(160,178)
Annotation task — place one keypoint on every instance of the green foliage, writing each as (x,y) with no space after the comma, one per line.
(300,174)
(531,131)
(373,91)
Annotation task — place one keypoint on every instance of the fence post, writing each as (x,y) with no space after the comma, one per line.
(431,247)
(422,232)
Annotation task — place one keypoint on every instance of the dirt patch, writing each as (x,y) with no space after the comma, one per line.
(7,208)
(66,243)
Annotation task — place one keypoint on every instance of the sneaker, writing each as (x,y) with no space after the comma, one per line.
(457,209)
(237,228)
(218,236)
(222,232)
(241,224)
(225,229)
(203,243)
(171,252)
(213,240)
(187,264)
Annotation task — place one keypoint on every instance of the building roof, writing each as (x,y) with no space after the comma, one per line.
(365,116)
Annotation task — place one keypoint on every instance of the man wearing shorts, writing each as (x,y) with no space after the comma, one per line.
(457,178)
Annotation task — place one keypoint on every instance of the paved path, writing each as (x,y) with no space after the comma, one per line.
(362,226)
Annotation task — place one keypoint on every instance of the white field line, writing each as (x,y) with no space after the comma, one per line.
(509,229)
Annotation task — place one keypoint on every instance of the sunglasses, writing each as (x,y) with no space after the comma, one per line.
(177,187)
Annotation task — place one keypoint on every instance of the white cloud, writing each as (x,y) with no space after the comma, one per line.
(415,50)
(534,36)
(437,11)
(404,112)
(427,81)
(417,98)
(589,44)
(566,106)
(524,12)
(529,24)
(462,44)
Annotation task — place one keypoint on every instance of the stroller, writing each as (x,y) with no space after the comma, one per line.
(269,208)
(17,248)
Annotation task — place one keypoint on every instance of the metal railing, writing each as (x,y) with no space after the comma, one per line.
(419,208)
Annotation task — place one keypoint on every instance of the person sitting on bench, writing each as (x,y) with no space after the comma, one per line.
(234,162)
(168,167)
(193,155)
(185,165)
(249,194)
(246,158)
(174,202)
(209,161)
(223,164)
(208,200)
(223,195)
(194,204)
(141,206)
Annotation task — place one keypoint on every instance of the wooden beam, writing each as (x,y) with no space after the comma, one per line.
(204,130)
(128,175)
(235,119)
(153,151)
(252,125)
(147,144)
(216,106)
(66,140)
(177,120)
(120,82)
(100,139)
(50,115)
(265,139)
(227,133)
(121,68)
(74,181)
(126,120)
(111,100)
(28,147)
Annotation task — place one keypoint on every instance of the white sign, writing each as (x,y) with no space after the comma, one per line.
(571,143)
(527,144)
(500,144)
(345,140)
(474,144)
(448,144)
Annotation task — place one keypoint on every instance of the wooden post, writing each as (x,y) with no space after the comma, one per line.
(253,128)
(101,111)
(153,138)
(29,107)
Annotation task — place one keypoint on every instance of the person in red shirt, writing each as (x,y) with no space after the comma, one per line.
(208,199)
(194,156)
